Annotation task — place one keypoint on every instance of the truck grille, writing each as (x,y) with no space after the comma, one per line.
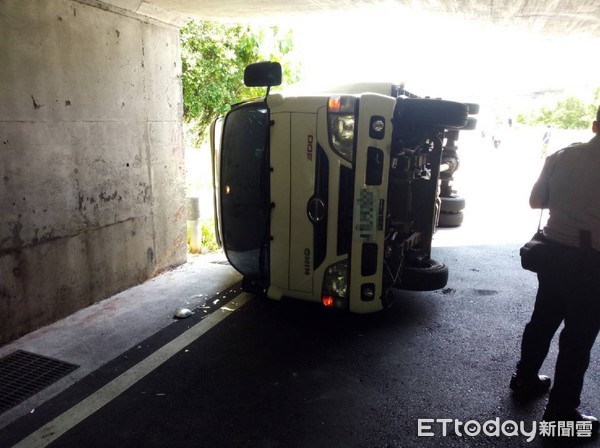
(322,192)
(374,174)
(345,208)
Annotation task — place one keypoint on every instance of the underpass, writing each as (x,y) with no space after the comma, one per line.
(91,142)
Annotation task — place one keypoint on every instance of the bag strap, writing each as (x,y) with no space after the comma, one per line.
(539,229)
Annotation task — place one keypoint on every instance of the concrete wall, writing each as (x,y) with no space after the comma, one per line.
(91,157)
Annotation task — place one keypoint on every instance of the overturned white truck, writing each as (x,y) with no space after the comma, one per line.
(334,198)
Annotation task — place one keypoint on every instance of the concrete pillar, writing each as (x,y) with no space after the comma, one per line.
(193,224)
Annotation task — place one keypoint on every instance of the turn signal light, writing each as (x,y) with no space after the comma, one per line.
(327,301)
(334,104)
(342,104)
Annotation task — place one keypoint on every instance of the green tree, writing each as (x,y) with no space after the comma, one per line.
(594,106)
(565,113)
(571,113)
(214,56)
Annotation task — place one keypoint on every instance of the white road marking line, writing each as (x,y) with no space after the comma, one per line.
(67,420)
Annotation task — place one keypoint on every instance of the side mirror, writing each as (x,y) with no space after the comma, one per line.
(263,74)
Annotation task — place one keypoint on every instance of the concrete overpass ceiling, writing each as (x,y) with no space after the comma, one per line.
(551,17)
(486,50)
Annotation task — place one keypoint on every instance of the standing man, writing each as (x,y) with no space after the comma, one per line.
(546,142)
(569,286)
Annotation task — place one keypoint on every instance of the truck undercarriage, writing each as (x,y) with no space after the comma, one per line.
(418,159)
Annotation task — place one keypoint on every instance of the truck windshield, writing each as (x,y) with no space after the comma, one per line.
(244,184)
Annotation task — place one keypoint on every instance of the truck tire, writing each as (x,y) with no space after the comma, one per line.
(471,124)
(473,108)
(451,219)
(430,113)
(431,275)
(452,204)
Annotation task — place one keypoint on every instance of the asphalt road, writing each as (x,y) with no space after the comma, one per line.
(293,375)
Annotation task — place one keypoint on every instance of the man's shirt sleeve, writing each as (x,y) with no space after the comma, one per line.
(540,193)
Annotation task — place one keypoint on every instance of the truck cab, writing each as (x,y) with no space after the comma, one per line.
(332,198)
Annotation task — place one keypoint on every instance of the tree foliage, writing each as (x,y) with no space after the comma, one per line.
(214,56)
(566,113)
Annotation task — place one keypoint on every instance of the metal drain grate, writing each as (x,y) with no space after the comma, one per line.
(23,374)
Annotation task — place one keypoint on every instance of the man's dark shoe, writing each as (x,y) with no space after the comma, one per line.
(530,387)
(591,428)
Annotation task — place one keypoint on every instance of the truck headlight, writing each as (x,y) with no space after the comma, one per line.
(342,135)
(335,282)
(341,111)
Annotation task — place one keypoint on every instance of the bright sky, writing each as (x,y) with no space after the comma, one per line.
(439,57)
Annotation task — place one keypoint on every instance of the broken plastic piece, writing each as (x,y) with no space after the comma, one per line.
(182,313)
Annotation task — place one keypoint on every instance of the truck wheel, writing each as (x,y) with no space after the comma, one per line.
(430,113)
(471,124)
(473,108)
(388,298)
(451,219)
(452,204)
(431,275)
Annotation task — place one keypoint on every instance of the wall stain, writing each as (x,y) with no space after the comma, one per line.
(4,292)
(80,199)
(145,193)
(48,236)
(150,256)
(16,234)
(36,106)
(112,197)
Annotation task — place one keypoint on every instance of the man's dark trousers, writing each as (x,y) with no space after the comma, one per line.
(569,291)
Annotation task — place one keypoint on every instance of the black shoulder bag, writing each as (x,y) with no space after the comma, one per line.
(535,253)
